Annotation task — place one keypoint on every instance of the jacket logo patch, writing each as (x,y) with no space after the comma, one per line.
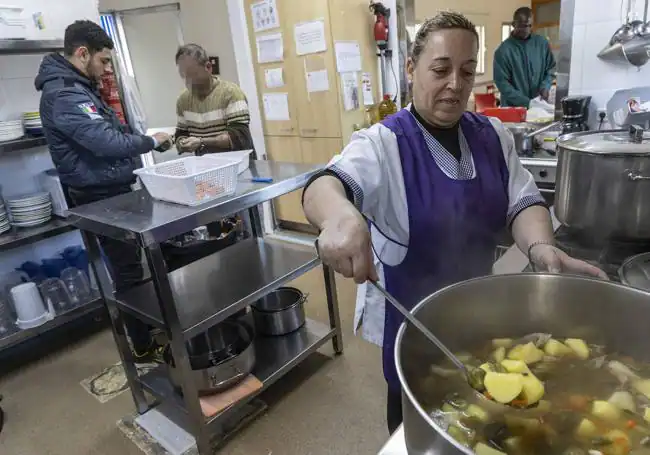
(89,109)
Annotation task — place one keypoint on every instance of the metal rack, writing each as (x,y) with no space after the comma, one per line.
(202,294)
(28,46)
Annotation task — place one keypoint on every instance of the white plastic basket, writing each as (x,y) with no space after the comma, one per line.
(191,180)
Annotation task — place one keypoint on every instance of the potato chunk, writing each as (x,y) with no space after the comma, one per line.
(586,429)
(515,366)
(578,346)
(556,348)
(643,386)
(605,411)
(623,400)
(504,387)
(499,354)
(527,353)
(532,390)
(502,342)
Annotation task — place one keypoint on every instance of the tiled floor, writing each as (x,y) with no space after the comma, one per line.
(325,406)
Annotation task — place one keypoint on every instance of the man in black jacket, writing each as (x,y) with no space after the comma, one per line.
(93,154)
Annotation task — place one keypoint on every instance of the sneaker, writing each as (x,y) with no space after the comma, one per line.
(153,355)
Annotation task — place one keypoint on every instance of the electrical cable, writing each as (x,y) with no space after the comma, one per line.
(392,69)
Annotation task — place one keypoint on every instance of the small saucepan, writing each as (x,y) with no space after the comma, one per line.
(280,312)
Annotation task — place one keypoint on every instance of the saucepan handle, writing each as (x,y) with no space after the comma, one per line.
(636,176)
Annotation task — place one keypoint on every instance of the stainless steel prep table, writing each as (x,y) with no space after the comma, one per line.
(198,296)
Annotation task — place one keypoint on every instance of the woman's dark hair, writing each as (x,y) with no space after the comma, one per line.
(194,51)
(87,34)
(444,20)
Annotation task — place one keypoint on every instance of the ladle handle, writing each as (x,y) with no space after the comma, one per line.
(413,320)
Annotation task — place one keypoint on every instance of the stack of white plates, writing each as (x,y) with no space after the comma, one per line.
(4,219)
(11,130)
(33,125)
(30,209)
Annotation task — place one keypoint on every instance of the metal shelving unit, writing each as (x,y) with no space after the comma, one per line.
(18,237)
(59,320)
(23,143)
(204,293)
(26,46)
(24,236)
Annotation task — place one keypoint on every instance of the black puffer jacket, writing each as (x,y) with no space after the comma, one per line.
(89,146)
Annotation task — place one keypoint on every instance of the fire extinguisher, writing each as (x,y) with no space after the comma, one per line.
(381,24)
(111,95)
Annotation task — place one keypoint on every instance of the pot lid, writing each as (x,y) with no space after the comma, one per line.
(635,271)
(628,142)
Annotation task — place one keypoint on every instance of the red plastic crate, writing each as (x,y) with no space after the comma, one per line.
(507,114)
(484,101)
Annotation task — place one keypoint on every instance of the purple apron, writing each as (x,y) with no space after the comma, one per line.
(448,219)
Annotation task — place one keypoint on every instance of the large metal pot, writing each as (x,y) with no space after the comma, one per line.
(603,183)
(470,313)
(220,358)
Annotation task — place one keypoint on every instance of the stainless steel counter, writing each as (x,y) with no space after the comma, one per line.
(136,217)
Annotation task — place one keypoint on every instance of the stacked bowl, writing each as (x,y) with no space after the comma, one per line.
(11,130)
(4,218)
(30,209)
(32,122)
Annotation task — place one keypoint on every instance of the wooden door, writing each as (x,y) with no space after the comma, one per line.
(320,150)
(352,21)
(318,112)
(275,127)
(289,206)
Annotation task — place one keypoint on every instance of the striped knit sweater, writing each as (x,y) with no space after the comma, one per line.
(225,109)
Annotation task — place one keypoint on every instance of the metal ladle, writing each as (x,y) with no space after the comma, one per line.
(474,376)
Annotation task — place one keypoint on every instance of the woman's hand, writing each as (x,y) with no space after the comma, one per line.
(344,245)
(555,260)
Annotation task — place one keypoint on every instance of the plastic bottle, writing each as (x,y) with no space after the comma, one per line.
(386,107)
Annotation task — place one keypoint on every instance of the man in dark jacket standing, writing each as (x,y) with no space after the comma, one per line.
(523,64)
(93,154)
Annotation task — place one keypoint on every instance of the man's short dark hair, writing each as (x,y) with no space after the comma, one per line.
(524,13)
(194,51)
(87,34)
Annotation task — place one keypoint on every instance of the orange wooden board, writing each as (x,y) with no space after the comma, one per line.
(213,404)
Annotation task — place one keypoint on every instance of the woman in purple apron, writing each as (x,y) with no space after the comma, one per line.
(436,185)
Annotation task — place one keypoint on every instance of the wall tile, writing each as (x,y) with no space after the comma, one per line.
(19,66)
(20,95)
(577,57)
(598,74)
(590,11)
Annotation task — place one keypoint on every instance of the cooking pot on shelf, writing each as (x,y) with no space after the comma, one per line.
(469,314)
(220,358)
(603,183)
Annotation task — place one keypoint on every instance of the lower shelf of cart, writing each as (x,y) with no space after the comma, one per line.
(275,356)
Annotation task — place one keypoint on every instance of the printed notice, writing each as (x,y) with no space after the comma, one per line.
(276,106)
(366,89)
(274,78)
(270,48)
(265,15)
(317,81)
(350,91)
(310,37)
(348,56)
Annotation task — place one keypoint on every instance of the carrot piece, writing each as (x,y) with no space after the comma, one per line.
(579,402)
(630,424)
(522,403)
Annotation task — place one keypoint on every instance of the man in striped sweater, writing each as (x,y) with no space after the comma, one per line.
(212,113)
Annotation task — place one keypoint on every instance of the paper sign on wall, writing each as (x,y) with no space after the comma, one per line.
(270,48)
(317,81)
(274,78)
(276,106)
(366,89)
(310,37)
(348,56)
(350,91)
(265,15)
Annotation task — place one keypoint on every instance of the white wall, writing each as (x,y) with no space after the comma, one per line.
(204,22)
(595,22)
(17,94)
(490,14)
